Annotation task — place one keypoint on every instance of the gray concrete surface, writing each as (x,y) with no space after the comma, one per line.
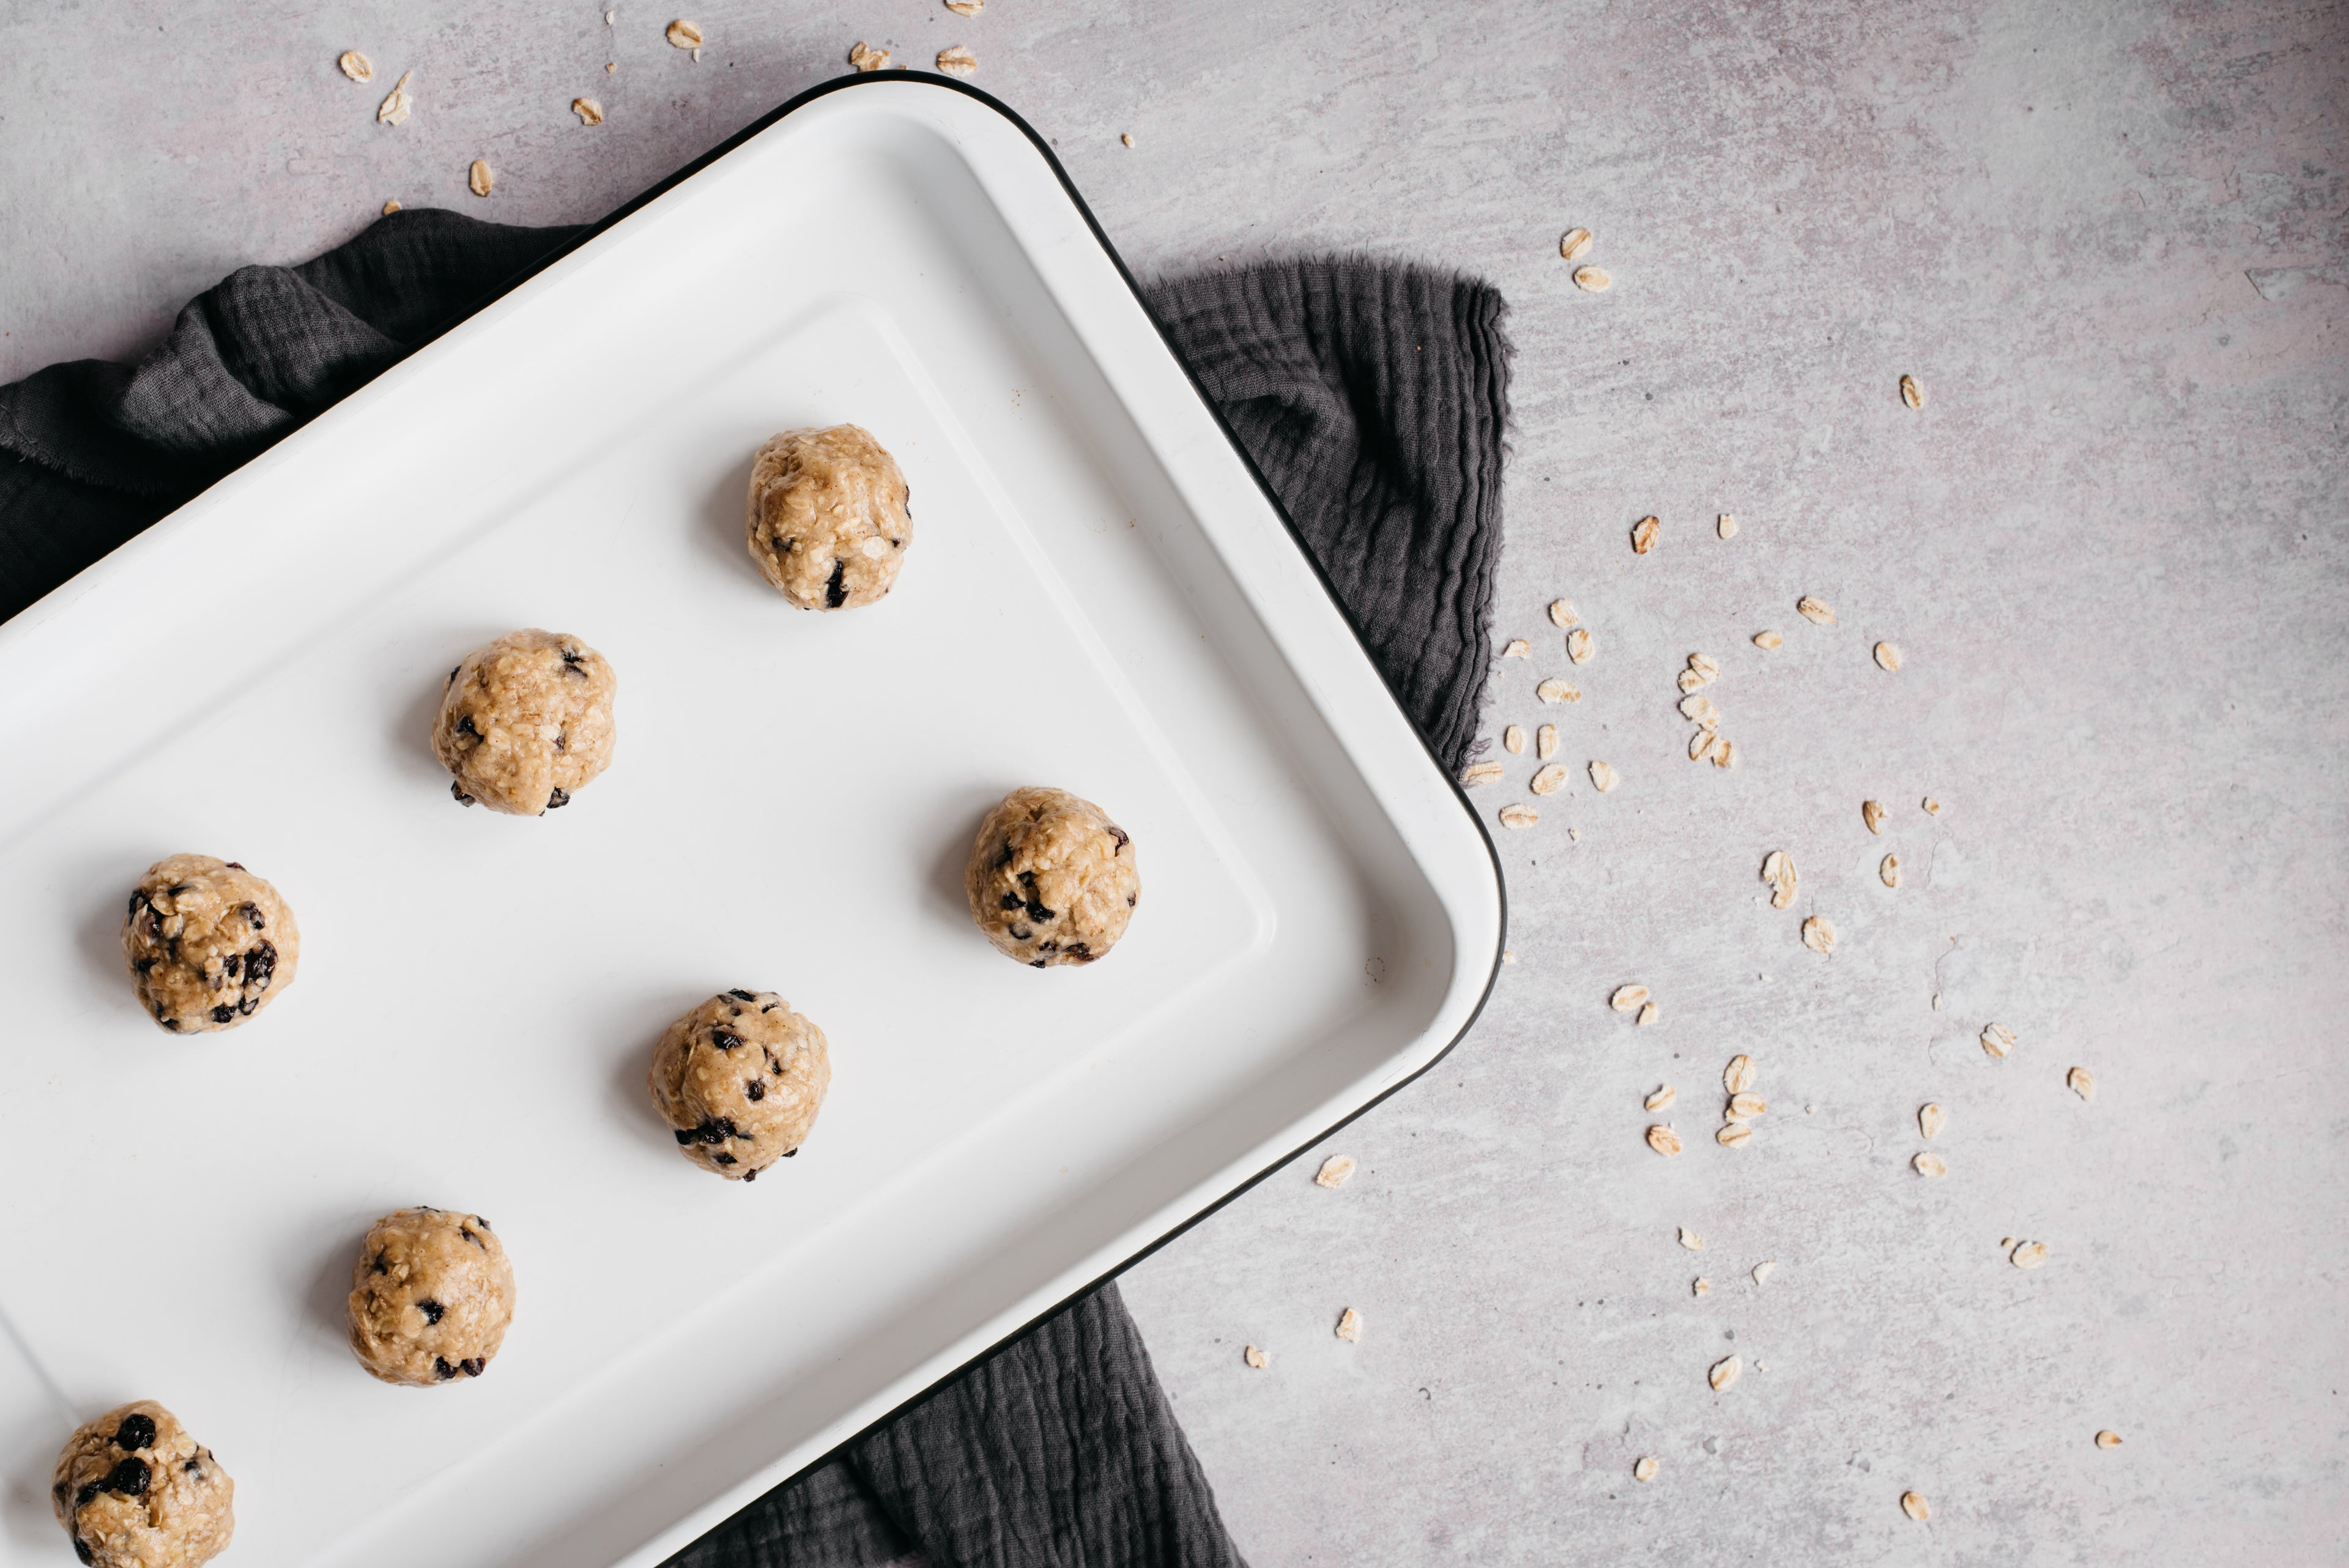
(2109,241)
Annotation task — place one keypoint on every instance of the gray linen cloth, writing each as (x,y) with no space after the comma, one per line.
(1371,397)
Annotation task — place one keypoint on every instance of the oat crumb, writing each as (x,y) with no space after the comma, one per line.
(1648,1013)
(1349,1324)
(1644,1470)
(1931,1119)
(1726,527)
(1700,1286)
(1914,1506)
(1518,648)
(1724,1372)
(1334,1170)
(2108,1438)
(2082,1083)
(1256,1358)
(1643,534)
(1127,137)
(1763,1270)
(589,111)
(1997,1039)
(1691,1240)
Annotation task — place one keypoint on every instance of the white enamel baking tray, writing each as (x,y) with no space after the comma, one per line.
(1099,596)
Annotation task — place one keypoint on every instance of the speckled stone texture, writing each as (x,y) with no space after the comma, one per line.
(2109,243)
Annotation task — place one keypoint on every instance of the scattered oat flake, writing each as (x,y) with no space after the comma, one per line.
(1592,279)
(1691,1240)
(1819,935)
(1127,137)
(866,58)
(2028,1255)
(1512,740)
(1699,707)
(1603,778)
(614,65)
(1574,245)
(1518,648)
(1872,814)
(356,67)
(1551,780)
(2082,1083)
(1689,681)
(958,61)
(1648,1012)
(589,111)
(1726,527)
(1745,1108)
(1349,1324)
(1546,741)
(2108,1438)
(1700,1286)
(1931,1119)
(1740,1075)
(1580,645)
(1704,668)
(394,108)
(1888,655)
(1644,1469)
(1933,806)
(1930,1164)
(1911,393)
(1913,1505)
(1334,1170)
(1887,870)
(1482,774)
(1643,534)
(1518,815)
(1575,834)
(480,178)
(1508,955)
(966,7)
(391,207)
(1561,613)
(1703,744)
(1256,1358)
(1812,611)
(1628,998)
(1766,641)
(1778,870)
(1725,756)
(1557,690)
(1997,1039)
(1763,1270)
(1660,1098)
(1664,1140)
(1725,1371)
(1733,1135)
(684,34)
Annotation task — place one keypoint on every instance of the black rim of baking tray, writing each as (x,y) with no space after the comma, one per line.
(1044,149)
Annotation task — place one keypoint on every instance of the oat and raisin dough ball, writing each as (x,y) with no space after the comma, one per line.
(209,943)
(739,1080)
(432,1295)
(1051,880)
(525,722)
(828,520)
(134,1491)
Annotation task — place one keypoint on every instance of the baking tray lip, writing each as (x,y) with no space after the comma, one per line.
(587,233)
(1353,628)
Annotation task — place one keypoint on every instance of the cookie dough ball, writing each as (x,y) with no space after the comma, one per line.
(135,1490)
(1051,879)
(209,943)
(525,722)
(432,1295)
(739,1080)
(828,520)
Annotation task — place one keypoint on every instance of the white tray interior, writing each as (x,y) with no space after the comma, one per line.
(1096,597)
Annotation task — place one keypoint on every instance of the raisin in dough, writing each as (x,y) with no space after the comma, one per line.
(135,1490)
(432,1295)
(209,943)
(1053,881)
(525,722)
(829,519)
(739,1080)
